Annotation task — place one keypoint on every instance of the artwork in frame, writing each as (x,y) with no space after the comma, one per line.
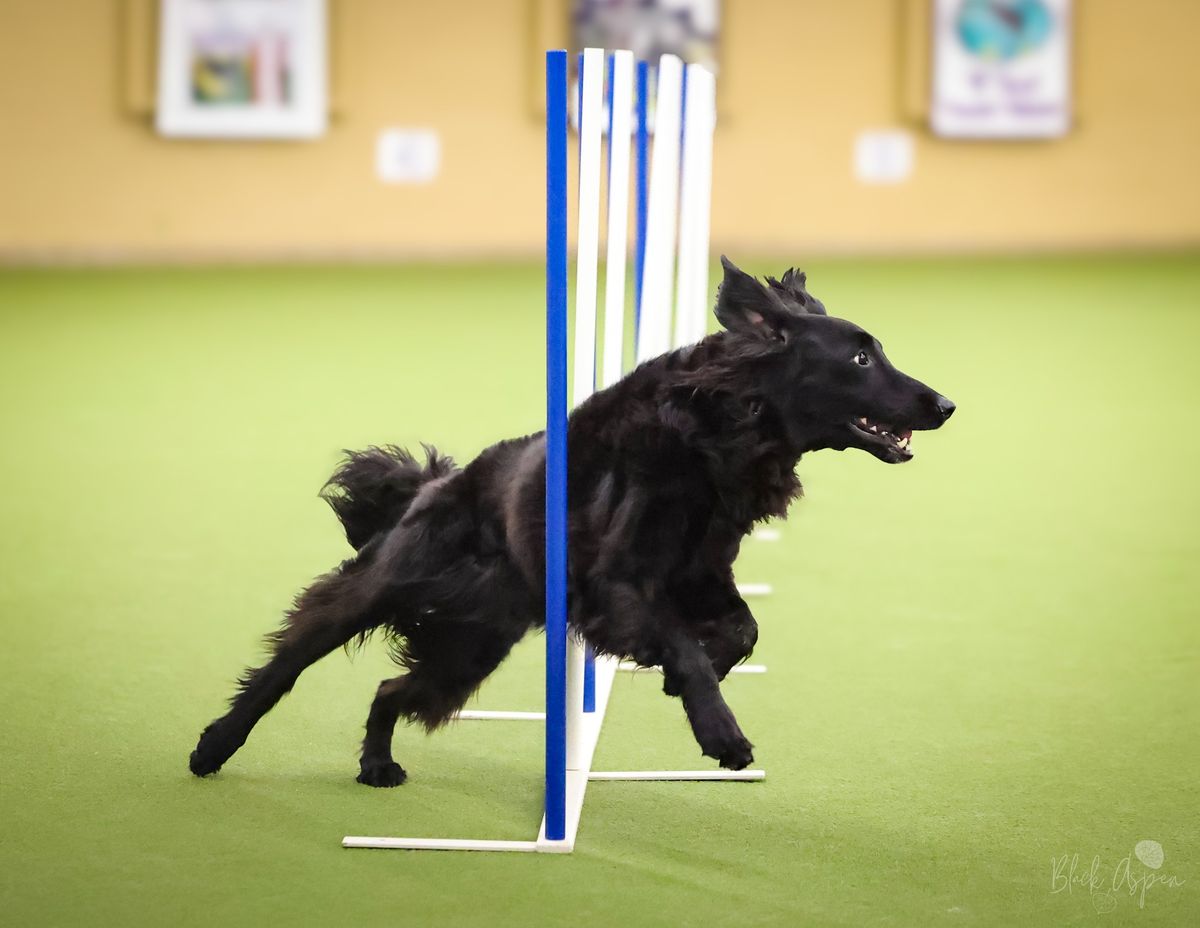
(650,28)
(688,29)
(1001,69)
(253,69)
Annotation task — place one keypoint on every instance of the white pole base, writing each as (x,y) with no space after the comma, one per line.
(577,780)
(439,844)
(766,534)
(754,589)
(743,775)
(630,667)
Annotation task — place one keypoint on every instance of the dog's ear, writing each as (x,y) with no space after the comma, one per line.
(747,306)
(792,291)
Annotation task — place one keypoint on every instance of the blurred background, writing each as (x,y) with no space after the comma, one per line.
(237,236)
(88,179)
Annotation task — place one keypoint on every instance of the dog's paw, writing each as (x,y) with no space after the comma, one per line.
(719,737)
(738,756)
(211,752)
(202,765)
(381,773)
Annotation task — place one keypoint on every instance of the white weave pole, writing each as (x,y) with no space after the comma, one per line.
(654,337)
(588,247)
(618,218)
(691,289)
(587,257)
(620,131)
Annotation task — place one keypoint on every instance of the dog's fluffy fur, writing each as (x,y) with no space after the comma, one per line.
(669,470)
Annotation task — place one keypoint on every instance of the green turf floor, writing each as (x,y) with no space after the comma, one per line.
(979,662)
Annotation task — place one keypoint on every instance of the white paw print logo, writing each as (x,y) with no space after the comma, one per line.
(1150,853)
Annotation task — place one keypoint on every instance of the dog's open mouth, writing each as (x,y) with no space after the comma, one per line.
(887,442)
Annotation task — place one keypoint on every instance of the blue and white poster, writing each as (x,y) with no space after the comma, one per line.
(1001,68)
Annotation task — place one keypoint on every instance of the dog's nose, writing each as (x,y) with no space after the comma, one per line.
(945,407)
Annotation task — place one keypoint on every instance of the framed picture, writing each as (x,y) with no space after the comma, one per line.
(243,69)
(688,29)
(650,28)
(1001,69)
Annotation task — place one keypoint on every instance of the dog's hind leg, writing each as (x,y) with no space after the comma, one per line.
(326,616)
(447,659)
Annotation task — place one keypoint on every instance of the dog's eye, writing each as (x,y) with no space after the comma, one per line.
(862,358)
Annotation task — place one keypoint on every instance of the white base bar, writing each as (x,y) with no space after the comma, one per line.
(746,775)
(766,534)
(439,844)
(755,589)
(630,666)
(577,780)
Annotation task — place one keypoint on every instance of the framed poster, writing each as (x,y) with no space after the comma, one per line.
(242,69)
(688,29)
(1001,68)
(650,28)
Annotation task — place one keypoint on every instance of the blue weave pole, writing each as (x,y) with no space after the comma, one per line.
(683,88)
(643,187)
(556,445)
(579,100)
(608,97)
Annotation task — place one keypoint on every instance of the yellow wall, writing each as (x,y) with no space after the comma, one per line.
(85,178)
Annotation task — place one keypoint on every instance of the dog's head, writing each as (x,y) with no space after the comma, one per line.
(828,381)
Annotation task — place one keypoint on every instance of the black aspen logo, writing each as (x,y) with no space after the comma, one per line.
(1134,876)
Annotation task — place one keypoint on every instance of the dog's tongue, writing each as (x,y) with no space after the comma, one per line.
(904,435)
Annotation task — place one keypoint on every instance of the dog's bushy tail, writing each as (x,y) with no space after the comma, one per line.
(372,489)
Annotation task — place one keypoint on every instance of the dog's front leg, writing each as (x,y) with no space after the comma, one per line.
(732,634)
(722,621)
(617,618)
(690,673)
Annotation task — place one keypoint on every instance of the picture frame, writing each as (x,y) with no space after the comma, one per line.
(1001,69)
(690,29)
(243,69)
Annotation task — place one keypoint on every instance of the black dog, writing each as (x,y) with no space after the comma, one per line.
(669,469)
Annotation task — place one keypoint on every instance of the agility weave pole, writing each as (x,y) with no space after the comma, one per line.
(578,689)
